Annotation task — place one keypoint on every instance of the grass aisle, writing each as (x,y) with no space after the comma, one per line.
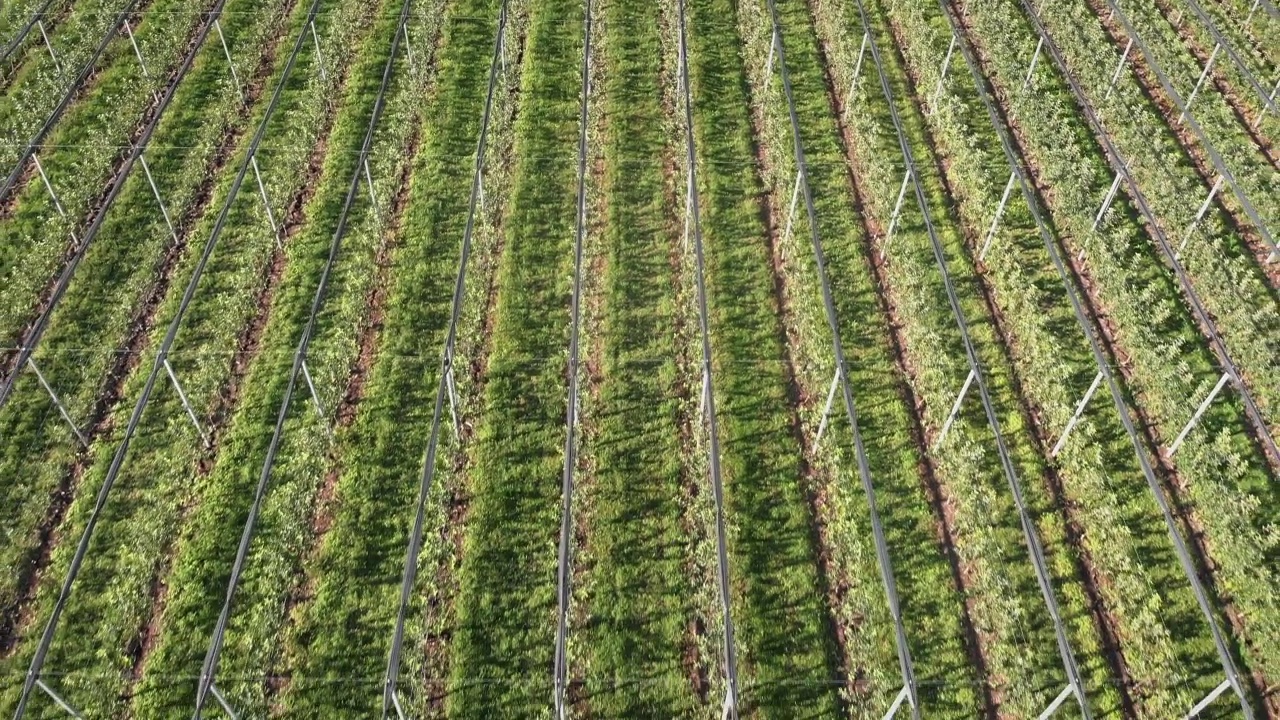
(503,642)
(638,598)
(788,656)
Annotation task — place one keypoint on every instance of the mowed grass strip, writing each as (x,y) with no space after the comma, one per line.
(637,595)
(788,657)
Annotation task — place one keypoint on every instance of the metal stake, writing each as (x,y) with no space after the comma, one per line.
(62,409)
(373,197)
(408,45)
(185,404)
(1222,381)
(58,699)
(904,694)
(1208,699)
(773,45)
(995,221)
(57,204)
(1186,108)
(946,66)
(315,397)
(163,210)
(1204,208)
(262,188)
(146,75)
(1106,202)
(1119,66)
(826,413)
(56,64)
(857,72)
(955,410)
(688,206)
(897,208)
(226,706)
(230,63)
(1057,448)
(1067,692)
(1031,67)
(453,395)
(1271,101)
(319,55)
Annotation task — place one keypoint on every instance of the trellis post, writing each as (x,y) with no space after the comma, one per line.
(373,196)
(57,64)
(955,409)
(57,402)
(146,74)
(235,78)
(826,412)
(57,204)
(946,67)
(1106,202)
(1186,108)
(186,405)
(897,210)
(857,72)
(262,188)
(146,169)
(315,398)
(791,214)
(1204,208)
(995,221)
(1031,67)
(1115,76)
(1271,101)
(1195,419)
(1057,448)
(319,54)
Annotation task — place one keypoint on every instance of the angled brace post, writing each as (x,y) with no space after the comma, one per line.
(1031,66)
(857,72)
(955,410)
(1115,76)
(702,396)
(1106,202)
(1208,699)
(729,710)
(688,206)
(1071,424)
(373,196)
(1195,419)
(826,412)
(1204,208)
(791,214)
(146,169)
(946,67)
(773,49)
(146,74)
(57,64)
(1182,117)
(453,393)
(57,402)
(315,398)
(57,204)
(897,213)
(226,706)
(1067,692)
(319,54)
(66,706)
(995,221)
(235,78)
(191,413)
(904,695)
(408,46)
(395,703)
(1248,20)
(266,202)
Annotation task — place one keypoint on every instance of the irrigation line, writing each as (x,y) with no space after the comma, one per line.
(25,30)
(1185,109)
(66,100)
(1268,102)
(565,559)
(64,280)
(1095,345)
(976,372)
(905,663)
(117,461)
(1208,326)
(210,667)
(730,708)
(390,700)
(1113,156)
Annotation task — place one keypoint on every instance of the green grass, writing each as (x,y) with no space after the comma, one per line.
(636,597)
